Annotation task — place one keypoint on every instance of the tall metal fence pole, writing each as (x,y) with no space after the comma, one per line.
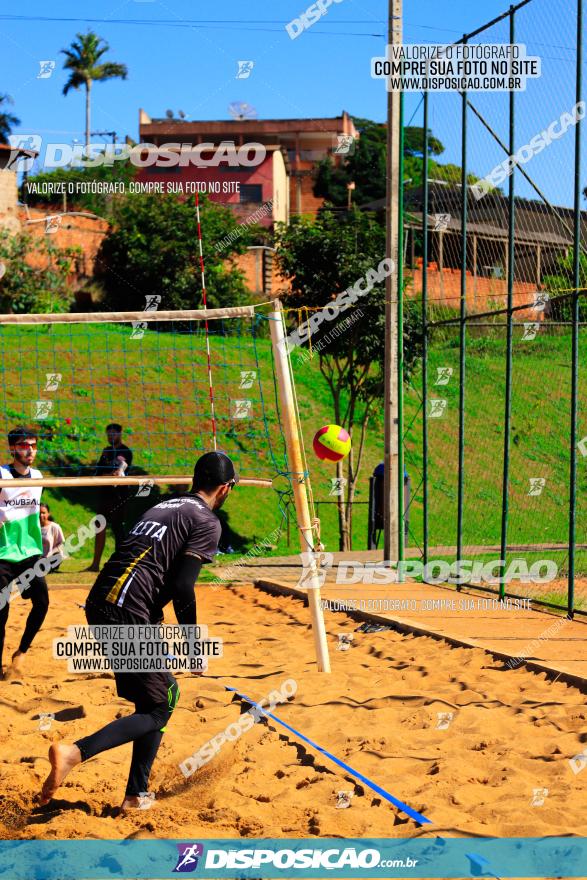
(575,334)
(425,335)
(401,516)
(392,437)
(463,328)
(510,318)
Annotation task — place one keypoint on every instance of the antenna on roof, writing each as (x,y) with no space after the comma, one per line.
(169,114)
(181,114)
(242,110)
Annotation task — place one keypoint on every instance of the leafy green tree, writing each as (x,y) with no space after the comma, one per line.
(82,59)
(414,142)
(7,120)
(366,166)
(320,259)
(153,249)
(36,274)
(561,307)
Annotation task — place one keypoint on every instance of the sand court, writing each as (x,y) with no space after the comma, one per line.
(477,748)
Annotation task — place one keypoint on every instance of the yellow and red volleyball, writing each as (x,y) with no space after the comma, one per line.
(331,443)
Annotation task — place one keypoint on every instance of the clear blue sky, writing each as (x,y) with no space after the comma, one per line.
(193,67)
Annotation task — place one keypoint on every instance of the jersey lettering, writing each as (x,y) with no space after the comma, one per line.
(140,576)
(145,527)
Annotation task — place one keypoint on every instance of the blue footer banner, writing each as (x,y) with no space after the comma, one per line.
(324,857)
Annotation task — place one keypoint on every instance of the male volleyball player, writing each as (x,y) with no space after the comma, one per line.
(115,460)
(158,562)
(21,542)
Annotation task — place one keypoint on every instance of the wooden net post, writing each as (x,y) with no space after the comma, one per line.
(299,480)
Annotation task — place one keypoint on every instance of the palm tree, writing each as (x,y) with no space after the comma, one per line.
(7,120)
(82,59)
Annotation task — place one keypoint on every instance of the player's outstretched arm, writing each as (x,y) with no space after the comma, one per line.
(184,595)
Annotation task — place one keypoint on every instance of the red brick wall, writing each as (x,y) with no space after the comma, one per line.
(85,233)
(483,294)
(251,264)
(309,202)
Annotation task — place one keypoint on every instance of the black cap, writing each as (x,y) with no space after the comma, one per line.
(214,469)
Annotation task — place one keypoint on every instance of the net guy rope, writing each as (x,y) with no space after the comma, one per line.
(205,302)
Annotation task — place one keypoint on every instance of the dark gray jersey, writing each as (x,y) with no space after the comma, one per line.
(134,576)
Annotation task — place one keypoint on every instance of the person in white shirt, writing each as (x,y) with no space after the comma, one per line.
(21,545)
(52,535)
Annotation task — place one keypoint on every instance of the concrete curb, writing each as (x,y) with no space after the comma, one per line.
(569,678)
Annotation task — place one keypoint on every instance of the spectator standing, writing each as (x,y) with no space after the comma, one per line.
(115,460)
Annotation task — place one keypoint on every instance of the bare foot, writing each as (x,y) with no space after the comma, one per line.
(129,803)
(63,758)
(92,568)
(137,802)
(15,669)
(18,661)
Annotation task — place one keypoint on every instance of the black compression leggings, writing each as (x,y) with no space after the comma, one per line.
(144,729)
(36,592)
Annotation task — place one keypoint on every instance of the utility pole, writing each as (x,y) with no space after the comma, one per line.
(111,134)
(392,512)
(350,187)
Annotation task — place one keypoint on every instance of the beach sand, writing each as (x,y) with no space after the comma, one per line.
(511,732)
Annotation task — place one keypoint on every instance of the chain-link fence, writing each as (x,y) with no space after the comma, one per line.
(495,427)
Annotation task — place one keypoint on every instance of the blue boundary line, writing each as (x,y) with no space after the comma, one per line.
(413,814)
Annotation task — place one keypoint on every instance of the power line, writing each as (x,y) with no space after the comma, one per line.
(227,24)
(232,25)
(220,23)
(187,21)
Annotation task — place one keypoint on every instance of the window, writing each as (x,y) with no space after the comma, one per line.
(251,192)
(312,155)
(163,169)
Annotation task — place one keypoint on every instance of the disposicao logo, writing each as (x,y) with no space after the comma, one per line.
(188,855)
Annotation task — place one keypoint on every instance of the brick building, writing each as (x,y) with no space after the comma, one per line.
(286,175)
(244,189)
(77,229)
(543,234)
(9,157)
(303,143)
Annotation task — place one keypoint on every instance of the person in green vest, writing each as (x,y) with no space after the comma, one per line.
(21,542)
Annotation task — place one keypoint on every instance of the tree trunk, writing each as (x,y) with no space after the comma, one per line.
(336,381)
(350,491)
(343,532)
(342,539)
(335,391)
(88,89)
(353,473)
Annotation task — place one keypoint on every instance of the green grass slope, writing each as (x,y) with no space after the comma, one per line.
(539,447)
(156,385)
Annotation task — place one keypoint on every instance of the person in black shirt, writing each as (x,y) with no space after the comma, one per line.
(157,563)
(116,459)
